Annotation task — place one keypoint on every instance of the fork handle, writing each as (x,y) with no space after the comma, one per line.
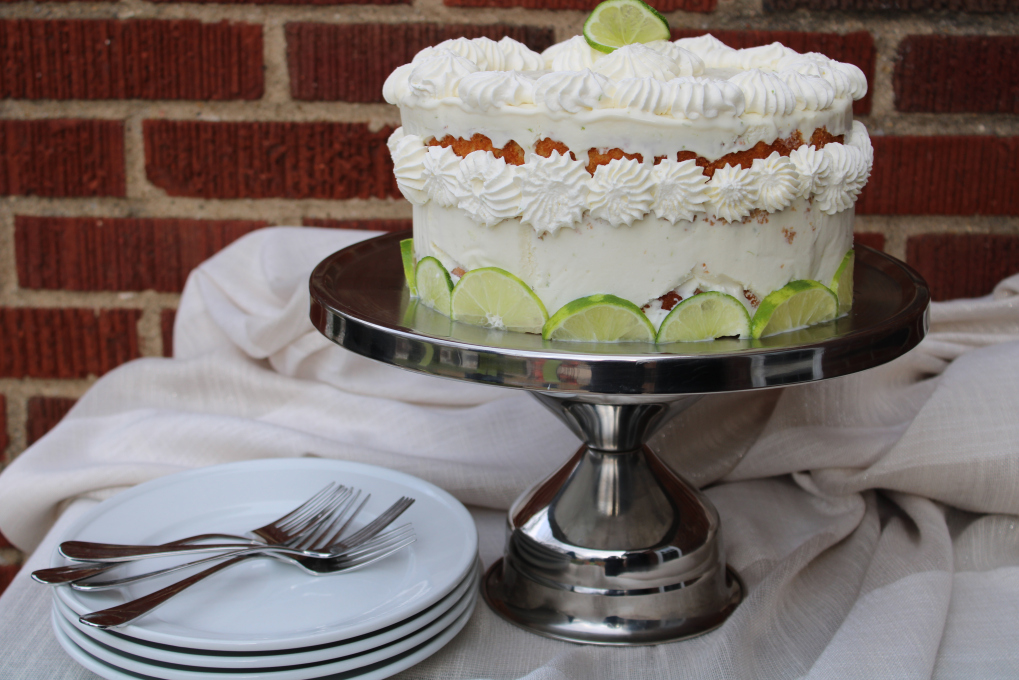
(129,611)
(75,572)
(85,551)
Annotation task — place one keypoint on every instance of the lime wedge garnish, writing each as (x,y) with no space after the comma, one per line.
(494,298)
(842,282)
(407,253)
(796,305)
(434,285)
(599,318)
(705,316)
(615,23)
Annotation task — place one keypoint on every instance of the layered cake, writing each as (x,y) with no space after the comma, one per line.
(650,174)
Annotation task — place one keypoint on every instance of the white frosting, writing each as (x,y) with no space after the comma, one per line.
(777,181)
(812,92)
(439,170)
(681,190)
(486,90)
(571,91)
(519,57)
(571,55)
(819,66)
(765,56)
(437,76)
(621,191)
(705,46)
(764,93)
(687,62)
(486,54)
(647,259)
(812,167)
(408,165)
(696,97)
(642,94)
(554,192)
(487,188)
(732,193)
(397,86)
(636,61)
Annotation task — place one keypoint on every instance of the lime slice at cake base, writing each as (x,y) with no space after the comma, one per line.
(494,298)
(796,305)
(599,318)
(705,316)
(434,286)
(615,23)
(842,282)
(407,254)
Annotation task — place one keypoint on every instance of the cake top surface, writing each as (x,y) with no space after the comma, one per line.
(689,78)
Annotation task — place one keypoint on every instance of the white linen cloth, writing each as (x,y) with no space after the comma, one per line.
(873,517)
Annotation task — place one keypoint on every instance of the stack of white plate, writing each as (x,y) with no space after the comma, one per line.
(264,618)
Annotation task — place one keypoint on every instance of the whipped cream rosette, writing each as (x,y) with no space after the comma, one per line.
(653,172)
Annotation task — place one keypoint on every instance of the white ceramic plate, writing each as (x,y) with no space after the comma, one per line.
(375,671)
(236,661)
(264,605)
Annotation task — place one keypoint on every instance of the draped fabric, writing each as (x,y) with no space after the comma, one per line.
(873,517)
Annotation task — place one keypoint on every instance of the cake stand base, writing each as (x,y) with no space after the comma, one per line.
(614,547)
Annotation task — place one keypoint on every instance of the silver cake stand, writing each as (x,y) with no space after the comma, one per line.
(613,548)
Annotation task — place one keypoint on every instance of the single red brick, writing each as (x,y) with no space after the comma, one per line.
(166,319)
(65,343)
(366,225)
(8,571)
(139,59)
(974,175)
(269,160)
(43,414)
(350,62)
(660,5)
(892,6)
(957,74)
(89,253)
(4,441)
(854,48)
(872,240)
(62,157)
(963,265)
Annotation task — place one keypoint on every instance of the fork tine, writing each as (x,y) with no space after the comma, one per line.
(335,535)
(310,523)
(380,542)
(340,515)
(375,556)
(377,525)
(328,489)
(313,512)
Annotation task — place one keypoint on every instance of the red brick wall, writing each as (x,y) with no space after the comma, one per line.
(133,148)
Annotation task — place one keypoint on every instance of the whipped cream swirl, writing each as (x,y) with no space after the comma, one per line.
(485,53)
(408,164)
(487,188)
(681,190)
(621,191)
(519,57)
(732,193)
(438,76)
(847,174)
(777,181)
(812,92)
(439,170)
(812,168)
(643,94)
(764,93)
(707,47)
(696,97)
(571,55)
(820,66)
(553,193)
(572,91)
(687,62)
(486,90)
(765,56)
(636,61)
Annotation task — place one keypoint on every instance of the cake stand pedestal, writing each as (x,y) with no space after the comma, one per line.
(614,547)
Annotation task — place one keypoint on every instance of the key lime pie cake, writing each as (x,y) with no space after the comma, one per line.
(622,186)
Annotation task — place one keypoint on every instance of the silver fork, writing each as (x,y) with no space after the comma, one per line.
(129,611)
(277,531)
(394,538)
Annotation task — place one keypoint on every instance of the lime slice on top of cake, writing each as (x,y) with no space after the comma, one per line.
(494,298)
(615,23)
(705,316)
(599,318)
(796,305)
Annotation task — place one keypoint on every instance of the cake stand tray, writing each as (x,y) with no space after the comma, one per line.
(614,547)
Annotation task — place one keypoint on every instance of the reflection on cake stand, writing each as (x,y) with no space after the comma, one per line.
(614,547)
